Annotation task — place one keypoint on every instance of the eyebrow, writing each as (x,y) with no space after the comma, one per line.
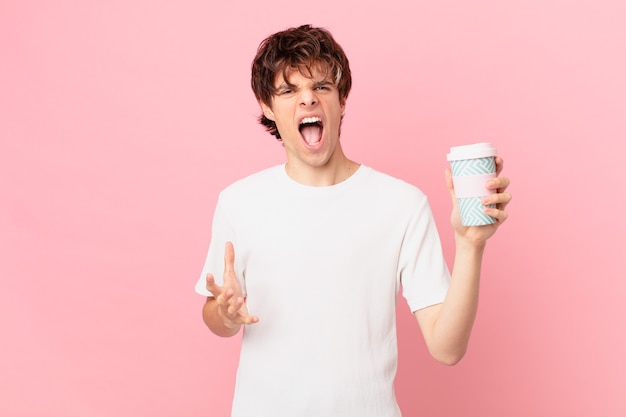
(284,85)
(325,81)
(288,85)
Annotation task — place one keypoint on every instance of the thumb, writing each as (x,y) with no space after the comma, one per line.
(450,183)
(211,286)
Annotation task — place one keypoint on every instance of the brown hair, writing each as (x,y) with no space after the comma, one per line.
(304,48)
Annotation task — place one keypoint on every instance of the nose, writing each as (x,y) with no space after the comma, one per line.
(308,97)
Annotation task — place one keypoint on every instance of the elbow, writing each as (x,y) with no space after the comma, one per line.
(448,352)
(449,358)
(211,319)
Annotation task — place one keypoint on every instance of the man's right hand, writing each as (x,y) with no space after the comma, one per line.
(228,301)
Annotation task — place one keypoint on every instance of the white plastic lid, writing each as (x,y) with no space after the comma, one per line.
(474,151)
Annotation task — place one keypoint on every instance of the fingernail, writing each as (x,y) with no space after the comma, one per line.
(491,184)
(486,200)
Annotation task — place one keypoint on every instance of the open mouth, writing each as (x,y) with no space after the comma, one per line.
(311,130)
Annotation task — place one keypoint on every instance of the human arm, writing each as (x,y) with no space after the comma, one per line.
(226,311)
(447,326)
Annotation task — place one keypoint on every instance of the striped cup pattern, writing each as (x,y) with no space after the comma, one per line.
(472,208)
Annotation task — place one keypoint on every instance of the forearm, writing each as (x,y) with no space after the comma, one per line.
(214,321)
(453,324)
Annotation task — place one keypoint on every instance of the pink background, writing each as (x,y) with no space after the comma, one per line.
(121,120)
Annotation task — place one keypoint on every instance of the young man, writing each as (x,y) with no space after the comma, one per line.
(309,256)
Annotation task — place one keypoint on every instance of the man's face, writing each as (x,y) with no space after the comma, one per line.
(307,113)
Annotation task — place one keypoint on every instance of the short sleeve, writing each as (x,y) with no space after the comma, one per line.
(423,271)
(221,232)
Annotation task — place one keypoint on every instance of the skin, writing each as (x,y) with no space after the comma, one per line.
(447,326)
(299,97)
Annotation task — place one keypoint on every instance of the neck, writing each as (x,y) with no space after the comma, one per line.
(322,176)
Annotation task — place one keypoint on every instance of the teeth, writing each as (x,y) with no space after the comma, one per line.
(310,120)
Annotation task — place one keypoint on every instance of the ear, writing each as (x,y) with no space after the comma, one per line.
(342,104)
(267,111)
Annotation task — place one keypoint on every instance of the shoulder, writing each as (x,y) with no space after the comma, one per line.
(253,185)
(388,186)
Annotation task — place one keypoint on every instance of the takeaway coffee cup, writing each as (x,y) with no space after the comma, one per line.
(472,166)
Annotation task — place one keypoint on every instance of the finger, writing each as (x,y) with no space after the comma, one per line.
(499,165)
(500,198)
(498,184)
(211,286)
(450,184)
(229,259)
(238,313)
(244,317)
(498,214)
(234,306)
(224,299)
(250,319)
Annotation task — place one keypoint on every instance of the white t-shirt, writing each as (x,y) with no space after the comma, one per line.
(322,267)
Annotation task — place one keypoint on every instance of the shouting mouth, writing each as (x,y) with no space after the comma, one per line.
(311,130)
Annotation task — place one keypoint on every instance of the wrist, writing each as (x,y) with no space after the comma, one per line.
(468,243)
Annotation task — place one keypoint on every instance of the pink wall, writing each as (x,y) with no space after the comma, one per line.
(121,120)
